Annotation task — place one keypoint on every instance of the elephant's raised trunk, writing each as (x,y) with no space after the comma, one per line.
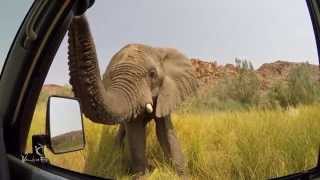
(98,104)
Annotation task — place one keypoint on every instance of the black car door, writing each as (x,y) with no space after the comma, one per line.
(25,69)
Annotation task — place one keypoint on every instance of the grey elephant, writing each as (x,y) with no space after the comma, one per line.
(141,83)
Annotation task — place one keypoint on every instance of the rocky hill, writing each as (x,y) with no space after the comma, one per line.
(53,89)
(279,70)
(208,73)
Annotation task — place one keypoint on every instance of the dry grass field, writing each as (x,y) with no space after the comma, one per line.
(250,144)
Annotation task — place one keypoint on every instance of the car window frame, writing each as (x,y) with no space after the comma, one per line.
(316,31)
(15,131)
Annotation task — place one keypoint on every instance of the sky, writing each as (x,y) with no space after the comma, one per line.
(11,16)
(212,30)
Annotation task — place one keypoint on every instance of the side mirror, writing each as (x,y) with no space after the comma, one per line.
(64,125)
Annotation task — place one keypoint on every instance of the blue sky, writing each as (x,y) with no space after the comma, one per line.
(260,31)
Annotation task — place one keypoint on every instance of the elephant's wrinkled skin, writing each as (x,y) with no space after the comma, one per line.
(140,83)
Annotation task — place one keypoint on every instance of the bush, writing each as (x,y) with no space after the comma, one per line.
(231,93)
(242,91)
(279,95)
(300,88)
(303,88)
(244,87)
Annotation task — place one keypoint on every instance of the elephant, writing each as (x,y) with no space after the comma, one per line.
(141,83)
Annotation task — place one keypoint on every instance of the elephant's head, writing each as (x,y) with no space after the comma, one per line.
(139,79)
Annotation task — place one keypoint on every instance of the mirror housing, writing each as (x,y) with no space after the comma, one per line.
(64,125)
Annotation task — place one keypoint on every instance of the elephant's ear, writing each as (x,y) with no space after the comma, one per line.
(179,82)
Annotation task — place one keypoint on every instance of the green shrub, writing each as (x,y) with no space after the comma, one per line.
(303,88)
(242,91)
(279,95)
(300,88)
(243,87)
(231,93)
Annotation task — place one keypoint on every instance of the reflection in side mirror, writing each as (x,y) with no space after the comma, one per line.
(64,123)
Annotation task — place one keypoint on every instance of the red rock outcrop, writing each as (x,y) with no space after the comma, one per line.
(209,73)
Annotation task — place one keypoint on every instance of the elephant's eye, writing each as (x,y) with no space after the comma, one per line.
(152,74)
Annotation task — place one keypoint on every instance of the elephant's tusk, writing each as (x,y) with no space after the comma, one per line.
(149,108)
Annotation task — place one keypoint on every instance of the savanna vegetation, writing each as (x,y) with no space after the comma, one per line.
(236,131)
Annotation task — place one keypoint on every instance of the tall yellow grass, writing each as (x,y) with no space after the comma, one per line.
(254,144)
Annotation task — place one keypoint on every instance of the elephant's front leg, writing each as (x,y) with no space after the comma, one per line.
(119,139)
(136,134)
(169,143)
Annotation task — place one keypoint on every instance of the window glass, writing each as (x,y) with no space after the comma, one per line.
(11,16)
(256,112)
